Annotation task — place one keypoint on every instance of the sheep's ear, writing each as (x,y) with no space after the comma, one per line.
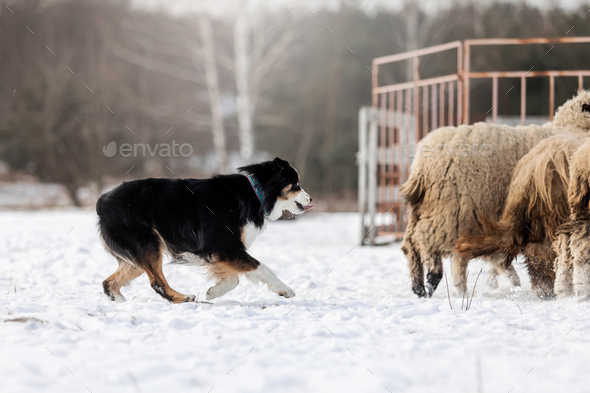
(585,108)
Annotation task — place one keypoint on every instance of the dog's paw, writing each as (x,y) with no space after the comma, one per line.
(286,292)
(189,299)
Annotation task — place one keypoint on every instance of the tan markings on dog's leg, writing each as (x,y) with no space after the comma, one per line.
(265,275)
(152,264)
(124,273)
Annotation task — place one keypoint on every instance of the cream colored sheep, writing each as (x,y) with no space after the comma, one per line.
(449,195)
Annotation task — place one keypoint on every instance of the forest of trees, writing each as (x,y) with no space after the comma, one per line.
(77,75)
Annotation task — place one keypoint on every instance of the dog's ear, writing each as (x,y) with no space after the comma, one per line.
(282,164)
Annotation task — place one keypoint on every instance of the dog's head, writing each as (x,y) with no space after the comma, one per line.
(279,183)
(575,112)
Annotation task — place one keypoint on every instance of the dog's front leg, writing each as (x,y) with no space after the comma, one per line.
(266,276)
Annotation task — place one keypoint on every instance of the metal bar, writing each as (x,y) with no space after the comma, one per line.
(424,112)
(516,41)
(441,104)
(416,103)
(362,186)
(393,168)
(416,53)
(495,100)
(528,74)
(382,145)
(420,83)
(433,114)
(372,169)
(375,82)
(451,109)
(580,83)
(466,68)
(460,75)
(551,97)
(406,129)
(522,100)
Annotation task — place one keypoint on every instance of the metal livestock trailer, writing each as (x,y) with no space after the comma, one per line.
(403,113)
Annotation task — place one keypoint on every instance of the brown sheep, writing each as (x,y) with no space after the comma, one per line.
(449,195)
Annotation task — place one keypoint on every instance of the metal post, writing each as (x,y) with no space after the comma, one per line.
(362,163)
(495,99)
(551,96)
(522,100)
(372,160)
(466,70)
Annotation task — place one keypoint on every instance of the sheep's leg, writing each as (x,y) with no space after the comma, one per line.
(563,267)
(581,276)
(459,273)
(504,266)
(493,274)
(539,262)
(435,272)
(512,275)
(414,262)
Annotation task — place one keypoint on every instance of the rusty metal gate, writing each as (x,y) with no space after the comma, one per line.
(401,114)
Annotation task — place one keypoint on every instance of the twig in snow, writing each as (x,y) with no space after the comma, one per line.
(448,293)
(474,285)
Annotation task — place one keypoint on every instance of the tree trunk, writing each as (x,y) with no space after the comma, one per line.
(242,74)
(214,94)
(72,188)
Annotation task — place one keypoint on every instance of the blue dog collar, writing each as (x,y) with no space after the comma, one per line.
(256,187)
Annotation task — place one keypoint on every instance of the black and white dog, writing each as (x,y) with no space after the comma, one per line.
(208,222)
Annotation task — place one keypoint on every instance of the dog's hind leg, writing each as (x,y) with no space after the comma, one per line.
(151,262)
(124,273)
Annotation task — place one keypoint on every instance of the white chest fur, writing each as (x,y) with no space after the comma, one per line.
(251,232)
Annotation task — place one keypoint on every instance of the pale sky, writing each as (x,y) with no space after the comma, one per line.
(222,6)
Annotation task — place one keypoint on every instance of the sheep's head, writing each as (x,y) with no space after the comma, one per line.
(575,112)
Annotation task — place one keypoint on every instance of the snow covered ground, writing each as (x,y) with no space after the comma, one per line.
(354,325)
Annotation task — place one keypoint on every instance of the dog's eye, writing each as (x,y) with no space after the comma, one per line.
(585,108)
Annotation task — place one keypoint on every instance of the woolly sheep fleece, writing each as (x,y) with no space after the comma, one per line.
(535,207)
(572,265)
(449,194)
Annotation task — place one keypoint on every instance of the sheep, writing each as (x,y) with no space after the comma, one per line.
(448,195)
(536,206)
(572,265)
(537,203)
